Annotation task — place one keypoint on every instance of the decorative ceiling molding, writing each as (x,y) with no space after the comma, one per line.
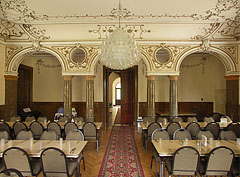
(135,30)
(11,31)
(19,12)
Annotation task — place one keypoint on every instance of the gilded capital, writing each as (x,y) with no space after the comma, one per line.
(67,78)
(9,77)
(173,77)
(90,77)
(232,77)
(150,77)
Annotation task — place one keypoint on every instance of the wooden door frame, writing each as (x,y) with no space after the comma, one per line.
(106,73)
(30,69)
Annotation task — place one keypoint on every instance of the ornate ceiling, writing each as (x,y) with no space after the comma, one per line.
(91,20)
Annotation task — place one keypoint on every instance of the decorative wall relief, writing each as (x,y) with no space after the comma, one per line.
(232,51)
(91,53)
(202,62)
(40,62)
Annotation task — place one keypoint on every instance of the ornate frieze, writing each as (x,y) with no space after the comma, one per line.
(232,51)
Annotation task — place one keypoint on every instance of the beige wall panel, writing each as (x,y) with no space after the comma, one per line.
(98,84)
(79,89)
(162,84)
(2,69)
(142,83)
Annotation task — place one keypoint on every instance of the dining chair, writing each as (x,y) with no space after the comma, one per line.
(69,126)
(49,135)
(24,135)
(162,120)
(193,128)
(156,135)
(30,119)
(63,119)
(219,162)
(90,132)
(177,119)
(17,127)
(17,158)
(181,134)
(192,119)
(172,127)
(151,127)
(15,118)
(11,172)
(184,162)
(227,135)
(42,119)
(204,132)
(78,119)
(214,128)
(56,127)
(5,126)
(55,163)
(37,129)
(76,134)
(235,127)
(4,135)
(208,119)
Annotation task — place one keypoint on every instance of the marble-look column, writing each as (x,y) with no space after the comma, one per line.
(89,98)
(232,97)
(67,96)
(151,97)
(173,97)
(11,83)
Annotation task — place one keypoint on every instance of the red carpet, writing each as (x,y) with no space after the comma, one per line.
(121,156)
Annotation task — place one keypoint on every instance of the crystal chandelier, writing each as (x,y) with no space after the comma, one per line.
(119,50)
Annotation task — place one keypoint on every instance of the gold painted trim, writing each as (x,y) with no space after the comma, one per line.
(90,77)
(173,77)
(67,78)
(232,77)
(151,78)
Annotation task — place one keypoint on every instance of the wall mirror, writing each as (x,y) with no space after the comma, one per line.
(78,55)
(162,55)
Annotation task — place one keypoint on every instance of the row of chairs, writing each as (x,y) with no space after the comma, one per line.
(193,131)
(52,162)
(163,134)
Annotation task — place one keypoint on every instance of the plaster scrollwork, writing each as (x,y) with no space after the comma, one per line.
(91,53)
(10,52)
(232,51)
(205,45)
(174,51)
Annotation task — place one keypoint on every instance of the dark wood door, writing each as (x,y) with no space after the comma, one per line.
(24,97)
(127,96)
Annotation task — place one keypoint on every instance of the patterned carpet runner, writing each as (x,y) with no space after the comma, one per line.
(121,156)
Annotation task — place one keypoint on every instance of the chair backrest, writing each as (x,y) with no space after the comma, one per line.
(204,132)
(160,133)
(193,128)
(162,120)
(17,158)
(42,119)
(220,161)
(24,135)
(36,128)
(5,126)
(54,162)
(229,120)
(227,135)
(235,127)
(192,119)
(208,119)
(56,127)
(216,116)
(15,118)
(147,119)
(78,119)
(63,119)
(49,135)
(4,135)
(151,127)
(70,126)
(11,172)
(75,135)
(18,126)
(185,161)
(181,134)
(214,128)
(89,129)
(172,127)
(30,119)
(177,119)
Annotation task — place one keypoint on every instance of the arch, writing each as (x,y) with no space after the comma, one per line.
(18,57)
(227,61)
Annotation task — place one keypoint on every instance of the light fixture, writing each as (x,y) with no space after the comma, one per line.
(119,50)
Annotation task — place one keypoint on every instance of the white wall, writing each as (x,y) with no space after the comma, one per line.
(2,69)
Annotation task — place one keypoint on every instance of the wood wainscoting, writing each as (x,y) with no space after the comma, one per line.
(2,112)
(204,108)
(50,108)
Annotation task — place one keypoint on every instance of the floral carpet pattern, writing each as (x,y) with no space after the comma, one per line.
(121,157)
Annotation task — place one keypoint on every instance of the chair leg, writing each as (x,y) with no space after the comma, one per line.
(156,169)
(97,145)
(83,164)
(151,162)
